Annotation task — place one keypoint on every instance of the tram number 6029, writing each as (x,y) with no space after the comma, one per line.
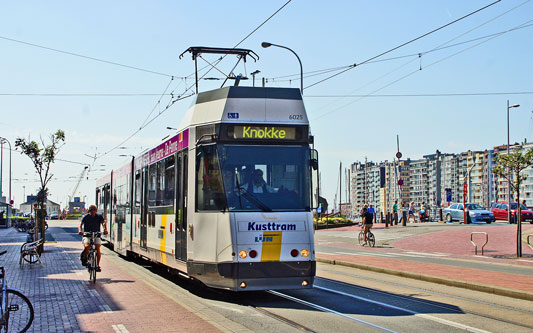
(296,117)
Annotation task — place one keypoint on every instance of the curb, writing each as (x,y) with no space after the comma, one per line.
(435,279)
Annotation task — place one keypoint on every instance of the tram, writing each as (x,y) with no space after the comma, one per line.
(228,200)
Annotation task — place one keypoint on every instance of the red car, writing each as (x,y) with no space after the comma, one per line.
(499,209)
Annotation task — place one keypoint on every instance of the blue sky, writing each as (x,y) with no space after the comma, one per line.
(151,35)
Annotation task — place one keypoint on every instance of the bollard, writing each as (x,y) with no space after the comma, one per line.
(404,218)
(380,217)
(387,219)
(440,214)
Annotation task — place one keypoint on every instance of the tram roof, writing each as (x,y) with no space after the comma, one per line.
(246,105)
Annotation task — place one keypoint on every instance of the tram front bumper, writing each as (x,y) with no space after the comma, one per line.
(255,275)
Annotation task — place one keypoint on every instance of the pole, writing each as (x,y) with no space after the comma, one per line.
(508,172)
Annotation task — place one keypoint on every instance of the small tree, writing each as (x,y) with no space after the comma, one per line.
(510,167)
(42,157)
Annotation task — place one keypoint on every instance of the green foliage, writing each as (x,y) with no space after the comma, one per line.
(74,216)
(42,157)
(510,166)
(332,220)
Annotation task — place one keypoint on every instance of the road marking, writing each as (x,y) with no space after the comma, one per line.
(119,328)
(405,255)
(429,254)
(525,260)
(418,314)
(321,308)
(365,254)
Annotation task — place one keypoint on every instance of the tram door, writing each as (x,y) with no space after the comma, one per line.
(144,207)
(181,206)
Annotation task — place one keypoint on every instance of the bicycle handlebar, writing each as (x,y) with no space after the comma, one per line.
(90,234)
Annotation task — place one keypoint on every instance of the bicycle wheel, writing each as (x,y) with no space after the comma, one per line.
(371,239)
(19,314)
(92,267)
(361,238)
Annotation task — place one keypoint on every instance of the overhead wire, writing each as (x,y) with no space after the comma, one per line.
(439,46)
(327,70)
(85,57)
(404,44)
(416,71)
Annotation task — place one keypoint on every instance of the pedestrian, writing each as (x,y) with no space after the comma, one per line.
(411,212)
(395,211)
(371,210)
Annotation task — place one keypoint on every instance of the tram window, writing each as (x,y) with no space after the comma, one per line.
(169,177)
(210,190)
(152,184)
(138,189)
(160,190)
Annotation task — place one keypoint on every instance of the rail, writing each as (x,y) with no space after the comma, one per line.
(528,243)
(472,240)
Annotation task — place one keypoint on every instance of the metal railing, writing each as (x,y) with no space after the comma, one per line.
(475,246)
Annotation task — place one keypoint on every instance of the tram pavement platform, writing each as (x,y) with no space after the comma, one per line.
(438,253)
(65,301)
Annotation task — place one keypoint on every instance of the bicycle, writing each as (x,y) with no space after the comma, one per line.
(370,239)
(92,257)
(16,310)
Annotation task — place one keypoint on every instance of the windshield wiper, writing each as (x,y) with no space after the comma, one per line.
(242,191)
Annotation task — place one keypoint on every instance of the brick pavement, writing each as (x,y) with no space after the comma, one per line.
(64,301)
(455,244)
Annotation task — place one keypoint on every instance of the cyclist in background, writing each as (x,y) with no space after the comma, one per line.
(91,223)
(367,222)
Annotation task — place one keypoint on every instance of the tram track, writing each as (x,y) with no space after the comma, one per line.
(270,305)
(449,308)
(429,303)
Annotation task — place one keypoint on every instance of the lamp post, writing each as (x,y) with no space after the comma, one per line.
(2,141)
(470,179)
(508,170)
(266,44)
(253,76)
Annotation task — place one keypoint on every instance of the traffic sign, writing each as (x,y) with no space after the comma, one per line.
(400,182)
(398,155)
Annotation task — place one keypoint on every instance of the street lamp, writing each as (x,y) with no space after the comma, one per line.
(508,170)
(253,74)
(2,148)
(266,44)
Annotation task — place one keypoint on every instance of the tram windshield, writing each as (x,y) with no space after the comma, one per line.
(254,178)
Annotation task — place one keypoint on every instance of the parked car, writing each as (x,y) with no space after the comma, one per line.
(475,212)
(53,216)
(500,211)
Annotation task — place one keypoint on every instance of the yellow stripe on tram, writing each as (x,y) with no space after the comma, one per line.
(271,250)
(163,241)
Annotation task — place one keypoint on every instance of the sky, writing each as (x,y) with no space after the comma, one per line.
(447,90)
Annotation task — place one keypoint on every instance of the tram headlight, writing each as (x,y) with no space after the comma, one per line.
(304,253)
(243,254)
(305,283)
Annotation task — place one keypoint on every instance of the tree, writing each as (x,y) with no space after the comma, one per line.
(42,157)
(510,167)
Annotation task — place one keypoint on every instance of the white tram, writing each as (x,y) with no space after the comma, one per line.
(195,202)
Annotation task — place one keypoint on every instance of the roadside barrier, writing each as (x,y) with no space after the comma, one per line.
(475,246)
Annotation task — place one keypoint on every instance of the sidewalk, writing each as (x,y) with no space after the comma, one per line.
(445,256)
(64,301)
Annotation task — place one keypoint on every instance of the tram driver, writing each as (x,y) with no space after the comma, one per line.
(257,184)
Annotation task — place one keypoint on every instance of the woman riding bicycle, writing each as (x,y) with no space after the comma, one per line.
(91,223)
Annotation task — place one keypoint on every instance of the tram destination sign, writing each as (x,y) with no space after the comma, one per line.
(254,132)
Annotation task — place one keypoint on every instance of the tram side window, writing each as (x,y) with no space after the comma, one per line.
(152,184)
(170,183)
(138,189)
(210,189)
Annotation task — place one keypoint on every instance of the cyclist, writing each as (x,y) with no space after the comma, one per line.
(91,223)
(367,222)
